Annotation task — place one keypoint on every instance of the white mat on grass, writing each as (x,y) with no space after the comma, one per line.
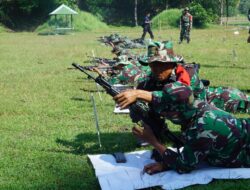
(128,176)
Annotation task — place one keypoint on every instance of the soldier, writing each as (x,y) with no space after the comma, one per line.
(211,134)
(147,27)
(128,72)
(229,99)
(186,22)
(119,51)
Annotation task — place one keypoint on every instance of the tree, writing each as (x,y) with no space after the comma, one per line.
(136,23)
(221,11)
(244,5)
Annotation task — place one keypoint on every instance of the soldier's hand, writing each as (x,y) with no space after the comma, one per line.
(145,134)
(95,69)
(153,168)
(124,99)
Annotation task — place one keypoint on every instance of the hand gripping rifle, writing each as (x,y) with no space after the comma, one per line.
(139,110)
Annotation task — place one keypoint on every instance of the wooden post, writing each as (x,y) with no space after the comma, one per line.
(71,18)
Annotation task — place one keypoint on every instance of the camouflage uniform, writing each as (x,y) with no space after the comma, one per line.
(186,22)
(196,84)
(228,99)
(118,51)
(210,134)
(129,74)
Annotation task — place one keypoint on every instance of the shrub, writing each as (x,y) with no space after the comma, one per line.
(167,19)
(200,16)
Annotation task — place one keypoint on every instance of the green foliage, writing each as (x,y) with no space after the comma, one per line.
(214,6)
(2,28)
(27,14)
(200,16)
(244,6)
(86,21)
(167,19)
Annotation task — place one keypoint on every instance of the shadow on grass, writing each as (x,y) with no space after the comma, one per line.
(87,143)
(92,90)
(78,99)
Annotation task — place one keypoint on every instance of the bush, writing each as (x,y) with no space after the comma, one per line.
(167,19)
(200,16)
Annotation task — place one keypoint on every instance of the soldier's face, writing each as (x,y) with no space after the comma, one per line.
(161,71)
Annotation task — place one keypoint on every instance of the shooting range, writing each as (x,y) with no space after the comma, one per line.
(125,94)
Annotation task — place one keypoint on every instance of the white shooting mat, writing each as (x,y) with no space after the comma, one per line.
(129,176)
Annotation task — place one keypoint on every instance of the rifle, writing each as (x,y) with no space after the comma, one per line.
(139,110)
(90,68)
(101,60)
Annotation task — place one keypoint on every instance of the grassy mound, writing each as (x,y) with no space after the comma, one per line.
(84,21)
(2,28)
(167,19)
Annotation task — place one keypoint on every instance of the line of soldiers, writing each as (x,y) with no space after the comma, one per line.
(116,40)
(129,71)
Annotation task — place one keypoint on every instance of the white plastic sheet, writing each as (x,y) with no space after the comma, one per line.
(129,176)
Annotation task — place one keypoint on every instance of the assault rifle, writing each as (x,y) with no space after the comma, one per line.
(140,111)
(104,68)
(103,60)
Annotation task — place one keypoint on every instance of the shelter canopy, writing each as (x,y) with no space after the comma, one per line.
(63,10)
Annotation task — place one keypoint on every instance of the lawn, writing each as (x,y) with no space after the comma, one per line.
(46,117)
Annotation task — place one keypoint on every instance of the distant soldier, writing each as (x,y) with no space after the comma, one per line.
(186,23)
(147,27)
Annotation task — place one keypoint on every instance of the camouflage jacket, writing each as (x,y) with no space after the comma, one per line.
(130,74)
(228,99)
(186,20)
(144,69)
(196,84)
(210,134)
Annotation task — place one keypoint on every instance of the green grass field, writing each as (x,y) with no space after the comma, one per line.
(46,116)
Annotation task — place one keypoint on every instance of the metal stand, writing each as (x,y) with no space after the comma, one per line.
(96,120)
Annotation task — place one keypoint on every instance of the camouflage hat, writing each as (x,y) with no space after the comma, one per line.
(157,52)
(122,60)
(186,9)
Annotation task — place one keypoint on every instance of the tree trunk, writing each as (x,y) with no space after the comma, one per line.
(136,22)
(221,11)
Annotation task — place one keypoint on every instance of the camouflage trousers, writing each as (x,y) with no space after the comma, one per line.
(213,136)
(231,138)
(229,99)
(185,33)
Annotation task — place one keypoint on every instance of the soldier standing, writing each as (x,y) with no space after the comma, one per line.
(147,27)
(186,23)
